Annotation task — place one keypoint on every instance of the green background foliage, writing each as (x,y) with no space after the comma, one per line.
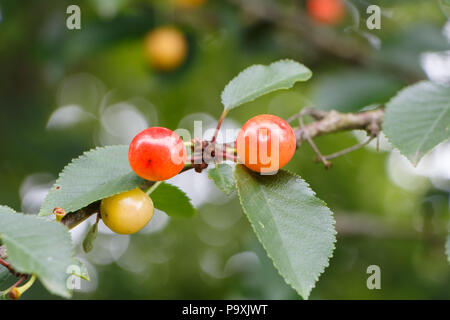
(380,218)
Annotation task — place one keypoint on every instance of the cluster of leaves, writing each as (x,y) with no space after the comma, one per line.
(294,226)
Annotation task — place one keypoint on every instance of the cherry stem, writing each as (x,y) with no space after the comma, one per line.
(27,285)
(219,124)
(97,219)
(8,266)
(5,264)
(228,156)
(153,187)
(22,279)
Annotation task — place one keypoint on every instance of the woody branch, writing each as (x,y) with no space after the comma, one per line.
(326,122)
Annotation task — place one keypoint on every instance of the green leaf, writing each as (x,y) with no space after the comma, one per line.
(258,80)
(88,242)
(97,174)
(295,227)
(37,246)
(80,269)
(418,118)
(222,175)
(172,201)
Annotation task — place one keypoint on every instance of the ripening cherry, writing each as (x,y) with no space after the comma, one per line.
(157,154)
(127,212)
(166,48)
(265,143)
(326,11)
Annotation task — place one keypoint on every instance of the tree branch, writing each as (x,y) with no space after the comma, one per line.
(326,123)
(71,220)
(334,121)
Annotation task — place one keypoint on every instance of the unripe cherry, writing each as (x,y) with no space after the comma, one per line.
(127,212)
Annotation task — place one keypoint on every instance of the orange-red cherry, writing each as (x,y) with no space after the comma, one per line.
(157,154)
(329,12)
(265,143)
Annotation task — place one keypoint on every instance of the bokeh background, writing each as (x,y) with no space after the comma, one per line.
(63,92)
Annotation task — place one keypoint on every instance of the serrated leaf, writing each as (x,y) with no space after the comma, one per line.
(418,118)
(37,246)
(88,242)
(80,269)
(295,227)
(222,175)
(258,80)
(97,174)
(172,201)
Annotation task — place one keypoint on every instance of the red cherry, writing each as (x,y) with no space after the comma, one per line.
(265,143)
(157,154)
(326,11)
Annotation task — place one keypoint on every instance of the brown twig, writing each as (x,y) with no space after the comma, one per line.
(10,268)
(6,265)
(23,277)
(315,113)
(348,150)
(334,121)
(325,162)
(73,219)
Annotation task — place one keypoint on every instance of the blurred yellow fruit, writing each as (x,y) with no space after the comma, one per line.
(189,3)
(127,212)
(166,48)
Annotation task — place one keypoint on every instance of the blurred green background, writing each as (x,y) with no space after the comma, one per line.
(64,91)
